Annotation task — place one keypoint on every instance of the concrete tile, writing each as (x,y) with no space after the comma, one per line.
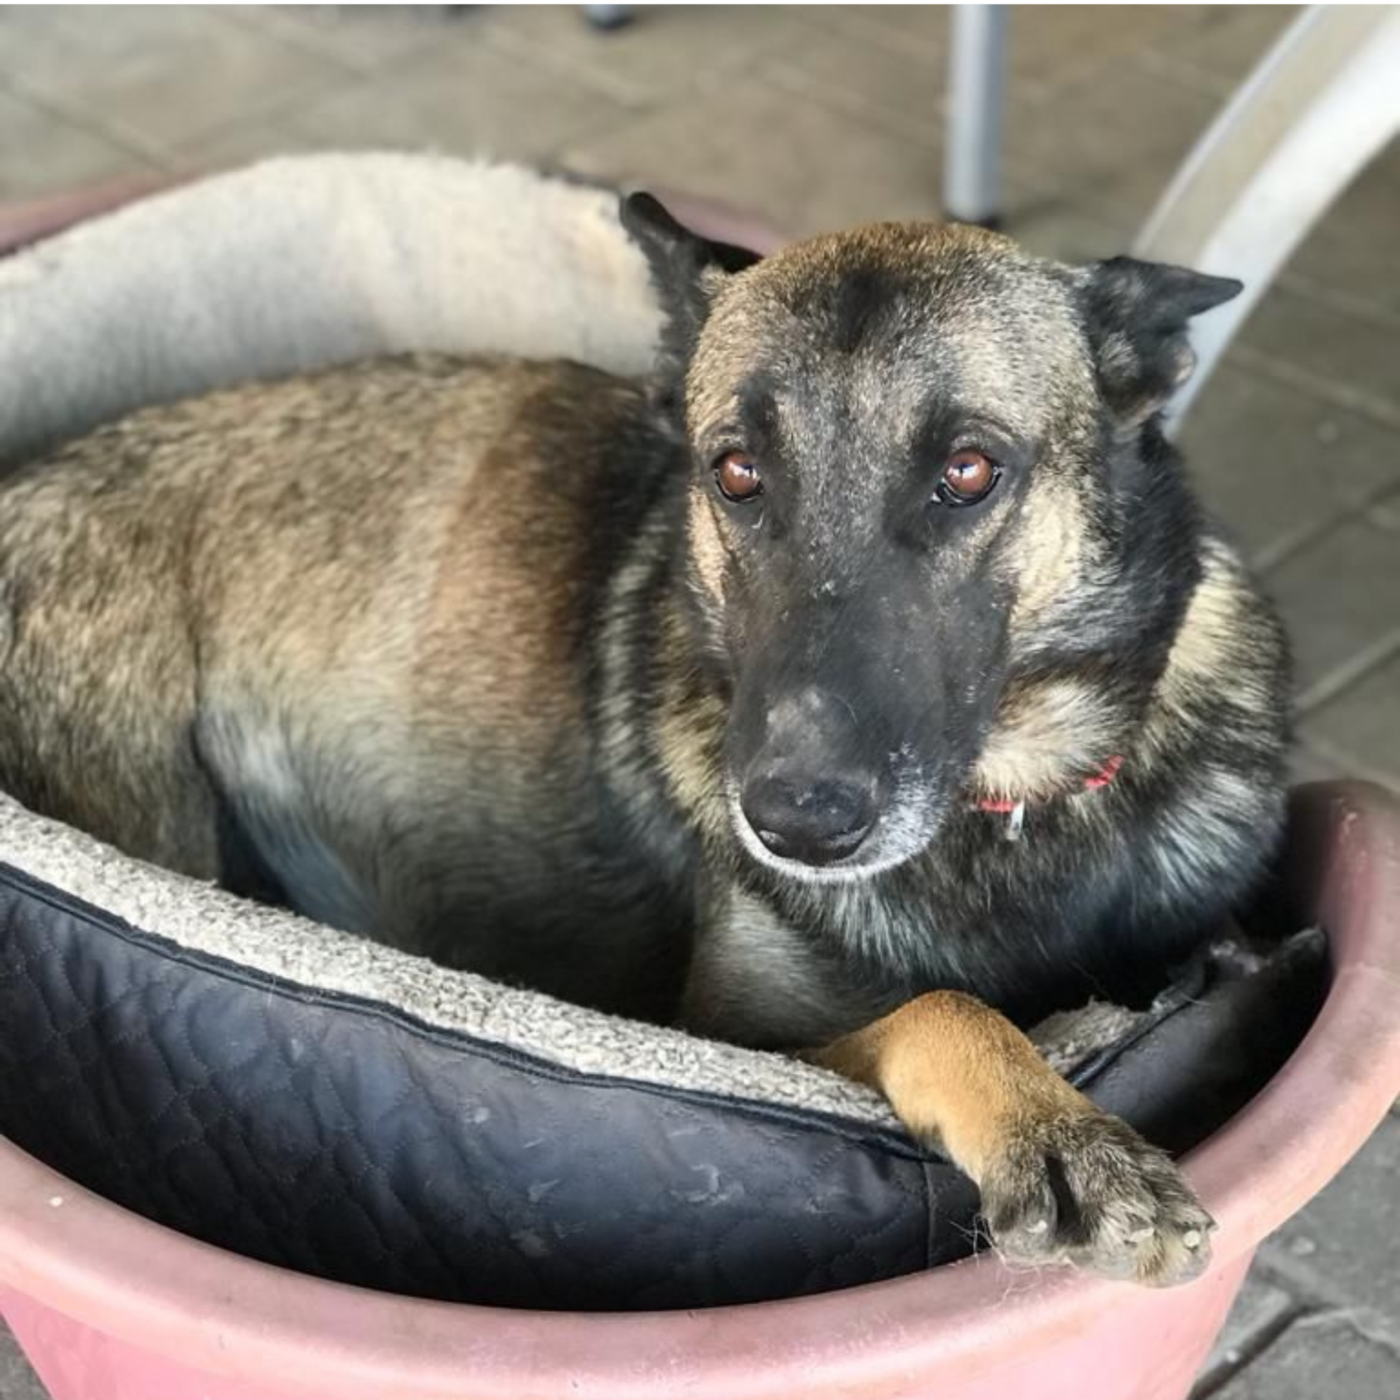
(1052,227)
(1340,596)
(18,20)
(243,145)
(913,31)
(800,166)
(1259,1310)
(159,77)
(363,38)
(1307,765)
(1386,511)
(17,1380)
(1329,345)
(43,154)
(471,100)
(859,69)
(1275,464)
(1190,11)
(903,91)
(1095,145)
(667,53)
(1344,1238)
(1316,1359)
(1353,251)
(1360,729)
(1225,41)
(1046,45)
(1051,46)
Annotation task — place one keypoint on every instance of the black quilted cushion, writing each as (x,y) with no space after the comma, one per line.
(343,1138)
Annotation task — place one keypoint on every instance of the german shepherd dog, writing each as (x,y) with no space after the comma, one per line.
(870,669)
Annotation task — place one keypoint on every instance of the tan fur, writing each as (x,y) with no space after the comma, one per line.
(1048,735)
(319,577)
(707,548)
(1219,622)
(689,731)
(956,1072)
(1049,553)
(961,1075)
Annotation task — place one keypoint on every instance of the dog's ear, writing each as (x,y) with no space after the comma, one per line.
(686,270)
(1136,314)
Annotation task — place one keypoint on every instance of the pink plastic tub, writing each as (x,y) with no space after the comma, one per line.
(33,219)
(111,1307)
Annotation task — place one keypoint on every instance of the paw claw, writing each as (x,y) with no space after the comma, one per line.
(1116,1205)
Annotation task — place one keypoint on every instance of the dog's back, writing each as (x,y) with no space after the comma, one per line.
(268,638)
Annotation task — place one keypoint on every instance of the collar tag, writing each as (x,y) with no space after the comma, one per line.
(1015,811)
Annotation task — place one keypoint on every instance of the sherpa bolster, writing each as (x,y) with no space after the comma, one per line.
(302,262)
(314,1100)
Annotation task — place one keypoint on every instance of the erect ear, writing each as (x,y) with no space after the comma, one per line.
(1136,315)
(686,270)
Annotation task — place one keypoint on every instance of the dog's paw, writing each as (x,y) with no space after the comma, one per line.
(1085,1189)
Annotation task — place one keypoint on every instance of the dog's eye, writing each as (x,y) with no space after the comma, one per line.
(737,478)
(968,476)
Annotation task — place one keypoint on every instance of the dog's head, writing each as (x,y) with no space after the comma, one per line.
(935,539)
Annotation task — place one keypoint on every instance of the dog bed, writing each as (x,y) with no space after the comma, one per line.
(313,1100)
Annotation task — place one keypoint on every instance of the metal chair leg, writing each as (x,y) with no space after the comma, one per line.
(607,16)
(976,93)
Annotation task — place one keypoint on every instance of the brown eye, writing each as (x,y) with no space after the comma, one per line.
(968,476)
(737,478)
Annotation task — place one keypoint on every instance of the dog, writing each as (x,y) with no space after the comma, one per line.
(868,683)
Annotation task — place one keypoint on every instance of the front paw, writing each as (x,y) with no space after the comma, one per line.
(1084,1188)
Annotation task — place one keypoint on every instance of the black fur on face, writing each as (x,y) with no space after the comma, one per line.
(888,642)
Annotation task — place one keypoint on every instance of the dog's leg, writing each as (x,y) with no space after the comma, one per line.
(1060,1179)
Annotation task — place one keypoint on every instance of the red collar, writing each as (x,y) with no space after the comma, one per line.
(1101,779)
(1015,808)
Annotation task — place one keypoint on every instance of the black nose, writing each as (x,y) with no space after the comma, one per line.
(814,822)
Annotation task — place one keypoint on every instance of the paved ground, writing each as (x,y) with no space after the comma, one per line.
(816,118)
